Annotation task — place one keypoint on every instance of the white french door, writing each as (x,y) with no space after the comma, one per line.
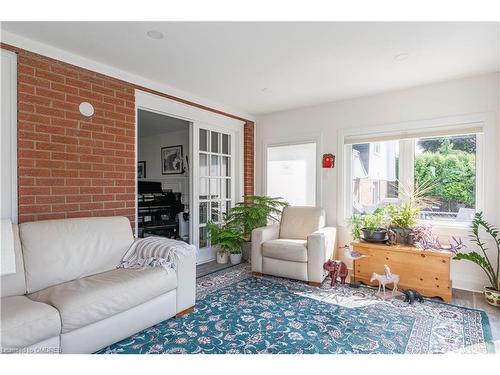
(214,182)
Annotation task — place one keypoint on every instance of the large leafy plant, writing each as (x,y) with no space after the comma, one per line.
(226,236)
(482,260)
(255,211)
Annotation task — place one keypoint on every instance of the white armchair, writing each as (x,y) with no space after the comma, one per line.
(296,248)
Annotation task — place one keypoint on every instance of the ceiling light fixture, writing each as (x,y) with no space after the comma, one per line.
(155,34)
(401,56)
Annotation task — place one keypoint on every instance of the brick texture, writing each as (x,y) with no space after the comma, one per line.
(248,158)
(73,166)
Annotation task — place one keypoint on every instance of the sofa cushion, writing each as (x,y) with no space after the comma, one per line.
(93,298)
(56,251)
(298,222)
(284,249)
(26,322)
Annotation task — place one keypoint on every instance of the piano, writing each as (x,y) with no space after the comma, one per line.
(158,210)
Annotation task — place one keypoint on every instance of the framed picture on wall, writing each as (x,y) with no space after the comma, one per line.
(141,169)
(171,160)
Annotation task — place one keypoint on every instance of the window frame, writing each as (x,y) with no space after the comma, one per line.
(485,146)
(316,139)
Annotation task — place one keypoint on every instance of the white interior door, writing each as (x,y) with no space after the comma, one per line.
(214,182)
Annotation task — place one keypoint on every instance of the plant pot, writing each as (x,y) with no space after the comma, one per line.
(403,235)
(222,257)
(246,251)
(235,258)
(492,296)
(378,235)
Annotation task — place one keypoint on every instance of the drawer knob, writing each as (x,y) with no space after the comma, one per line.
(422,255)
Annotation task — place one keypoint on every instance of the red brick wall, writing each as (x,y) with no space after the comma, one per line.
(248,159)
(73,166)
(70,165)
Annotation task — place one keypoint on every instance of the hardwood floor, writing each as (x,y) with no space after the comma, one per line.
(210,267)
(475,300)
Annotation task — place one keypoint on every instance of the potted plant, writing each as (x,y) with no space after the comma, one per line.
(492,293)
(371,226)
(255,211)
(228,240)
(402,219)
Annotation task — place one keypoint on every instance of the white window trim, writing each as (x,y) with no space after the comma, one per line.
(311,138)
(485,160)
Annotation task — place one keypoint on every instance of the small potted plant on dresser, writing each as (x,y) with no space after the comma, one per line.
(254,212)
(227,238)
(491,293)
(370,227)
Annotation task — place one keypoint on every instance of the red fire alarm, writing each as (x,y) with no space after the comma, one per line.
(328,161)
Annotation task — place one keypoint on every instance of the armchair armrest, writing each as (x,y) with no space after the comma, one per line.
(320,247)
(259,236)
(186,280)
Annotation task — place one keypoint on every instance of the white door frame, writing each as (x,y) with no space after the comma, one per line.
(192,114)
(8,137)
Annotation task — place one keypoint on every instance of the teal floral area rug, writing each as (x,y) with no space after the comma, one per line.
(238,313)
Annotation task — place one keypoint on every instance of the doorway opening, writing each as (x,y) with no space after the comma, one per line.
(163,183)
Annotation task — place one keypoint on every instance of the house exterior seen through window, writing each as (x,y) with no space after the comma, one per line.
(444,168)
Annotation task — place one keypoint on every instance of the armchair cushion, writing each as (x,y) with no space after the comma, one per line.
(299,222)
(292,250)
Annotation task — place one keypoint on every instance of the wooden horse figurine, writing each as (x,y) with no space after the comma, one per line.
(387,278)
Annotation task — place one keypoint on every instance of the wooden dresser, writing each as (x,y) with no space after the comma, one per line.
(427,272)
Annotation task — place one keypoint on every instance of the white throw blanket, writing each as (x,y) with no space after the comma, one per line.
(155,252)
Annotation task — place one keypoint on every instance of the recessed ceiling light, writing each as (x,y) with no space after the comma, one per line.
(401,56)
(155,34)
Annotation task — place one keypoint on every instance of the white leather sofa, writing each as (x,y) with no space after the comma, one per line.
(68,296)
(296,248)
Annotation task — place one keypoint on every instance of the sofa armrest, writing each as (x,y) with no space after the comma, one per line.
(320,247)
(186,280)
(259,236)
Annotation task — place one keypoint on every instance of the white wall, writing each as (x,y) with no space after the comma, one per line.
(452,98)
(149,150)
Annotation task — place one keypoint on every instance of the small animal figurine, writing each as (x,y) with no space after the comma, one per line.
(387,278)
(391,238)
(412,296)
(336,269)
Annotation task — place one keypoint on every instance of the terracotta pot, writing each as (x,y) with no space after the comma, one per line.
(492,296)
(222,257)
(235,258)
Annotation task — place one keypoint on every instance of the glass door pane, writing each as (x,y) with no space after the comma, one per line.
(214,175)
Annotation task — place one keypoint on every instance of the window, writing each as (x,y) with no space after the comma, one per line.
(291,173)
(443,167)
(374,177)
(446,166)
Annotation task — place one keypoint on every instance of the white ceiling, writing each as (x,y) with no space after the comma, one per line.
(150,123)
(260,67)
